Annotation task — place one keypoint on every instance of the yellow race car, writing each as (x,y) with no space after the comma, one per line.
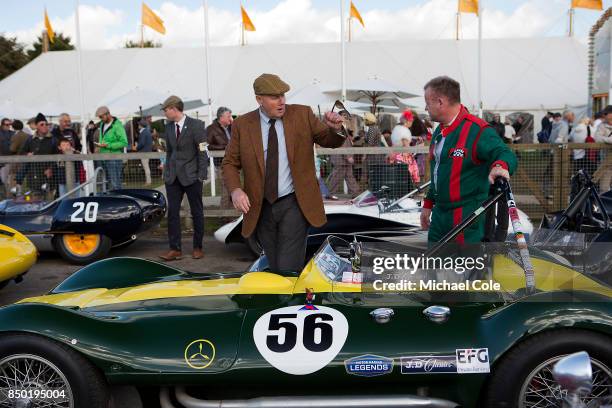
(17,255)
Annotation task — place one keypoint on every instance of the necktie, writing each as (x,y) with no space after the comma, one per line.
(271,180)
(178,131)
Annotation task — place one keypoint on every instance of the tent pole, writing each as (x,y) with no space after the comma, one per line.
(343,54)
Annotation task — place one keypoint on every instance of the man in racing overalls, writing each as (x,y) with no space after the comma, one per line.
(466,155)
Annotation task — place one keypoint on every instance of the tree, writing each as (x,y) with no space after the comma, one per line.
(61,43)
(12,56)
(146,44)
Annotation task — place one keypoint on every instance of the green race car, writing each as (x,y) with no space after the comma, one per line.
(326,337)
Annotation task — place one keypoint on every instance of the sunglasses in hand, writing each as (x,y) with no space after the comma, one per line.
(341,109)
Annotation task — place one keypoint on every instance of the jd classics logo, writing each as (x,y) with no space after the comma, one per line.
(199,354)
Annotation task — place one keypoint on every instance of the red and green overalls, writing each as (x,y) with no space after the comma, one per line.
(461,156)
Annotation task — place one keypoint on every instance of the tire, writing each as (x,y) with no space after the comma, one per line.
(514,373)
(82,249)
(83,384)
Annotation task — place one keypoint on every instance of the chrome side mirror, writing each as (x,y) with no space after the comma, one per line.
(574,375)
(355,255)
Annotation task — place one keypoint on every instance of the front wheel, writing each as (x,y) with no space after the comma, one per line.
(523,377)
(82,249)
(35,371)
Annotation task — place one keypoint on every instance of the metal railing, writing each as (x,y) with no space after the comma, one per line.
(541,182)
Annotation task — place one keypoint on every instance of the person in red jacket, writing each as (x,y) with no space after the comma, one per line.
(466,155)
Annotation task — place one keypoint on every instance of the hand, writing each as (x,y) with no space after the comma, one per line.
(350,160)
(498,171)
(241,201)
(30,154)
(101,145)
(333,120)
(425,216)
(48,173)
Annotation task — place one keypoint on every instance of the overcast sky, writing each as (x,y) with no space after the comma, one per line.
(110,23)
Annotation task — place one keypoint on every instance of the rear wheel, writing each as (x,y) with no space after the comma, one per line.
(523,377)
(82,248)
(35,371)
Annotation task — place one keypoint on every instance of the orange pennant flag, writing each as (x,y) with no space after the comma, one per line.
(247,24)
(150,19)
(588,4)
(48,27)
(355,13)
(468,6)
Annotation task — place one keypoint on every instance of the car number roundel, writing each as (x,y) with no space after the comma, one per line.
(299,341)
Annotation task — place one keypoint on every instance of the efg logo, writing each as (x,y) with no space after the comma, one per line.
(473,360)
(369,365)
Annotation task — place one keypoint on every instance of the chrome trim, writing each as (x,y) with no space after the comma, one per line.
(335,401)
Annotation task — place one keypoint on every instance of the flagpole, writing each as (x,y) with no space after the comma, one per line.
(458,22)
(480,107)
(142,36)
(350,19)
(571,22)
(343,54)
(207,61)
(89,170)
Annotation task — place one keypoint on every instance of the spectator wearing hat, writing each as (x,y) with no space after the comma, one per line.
(185,170)
(401,131)
(144,145)
(112,140)
(40,143)
(218,135)
(273,146)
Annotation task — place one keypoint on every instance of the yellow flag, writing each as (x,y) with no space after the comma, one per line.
(50,31)
(588,4)
(468,6)
(247,24)
(150,19)
(355,13)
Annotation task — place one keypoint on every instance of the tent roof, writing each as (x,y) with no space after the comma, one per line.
(518,74)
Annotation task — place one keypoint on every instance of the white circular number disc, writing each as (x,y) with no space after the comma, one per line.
(298,341)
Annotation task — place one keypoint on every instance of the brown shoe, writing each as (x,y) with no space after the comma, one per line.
(197,253)
(172,255)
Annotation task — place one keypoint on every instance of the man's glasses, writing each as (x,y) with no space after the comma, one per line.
(341,109)
(6,124)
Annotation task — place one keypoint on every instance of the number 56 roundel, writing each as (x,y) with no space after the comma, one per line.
(299,341)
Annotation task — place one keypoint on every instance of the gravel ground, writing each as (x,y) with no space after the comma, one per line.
(50,269)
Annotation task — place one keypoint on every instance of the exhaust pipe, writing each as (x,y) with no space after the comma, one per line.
(334,401)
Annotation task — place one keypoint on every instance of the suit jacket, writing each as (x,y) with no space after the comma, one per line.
(186,159)
(245,152)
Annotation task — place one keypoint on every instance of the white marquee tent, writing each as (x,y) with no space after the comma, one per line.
(532,74)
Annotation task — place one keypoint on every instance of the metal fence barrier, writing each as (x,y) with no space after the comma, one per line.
(541,182)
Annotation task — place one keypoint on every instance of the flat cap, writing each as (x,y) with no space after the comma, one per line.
(102,110)
(270,84)
(172,101)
